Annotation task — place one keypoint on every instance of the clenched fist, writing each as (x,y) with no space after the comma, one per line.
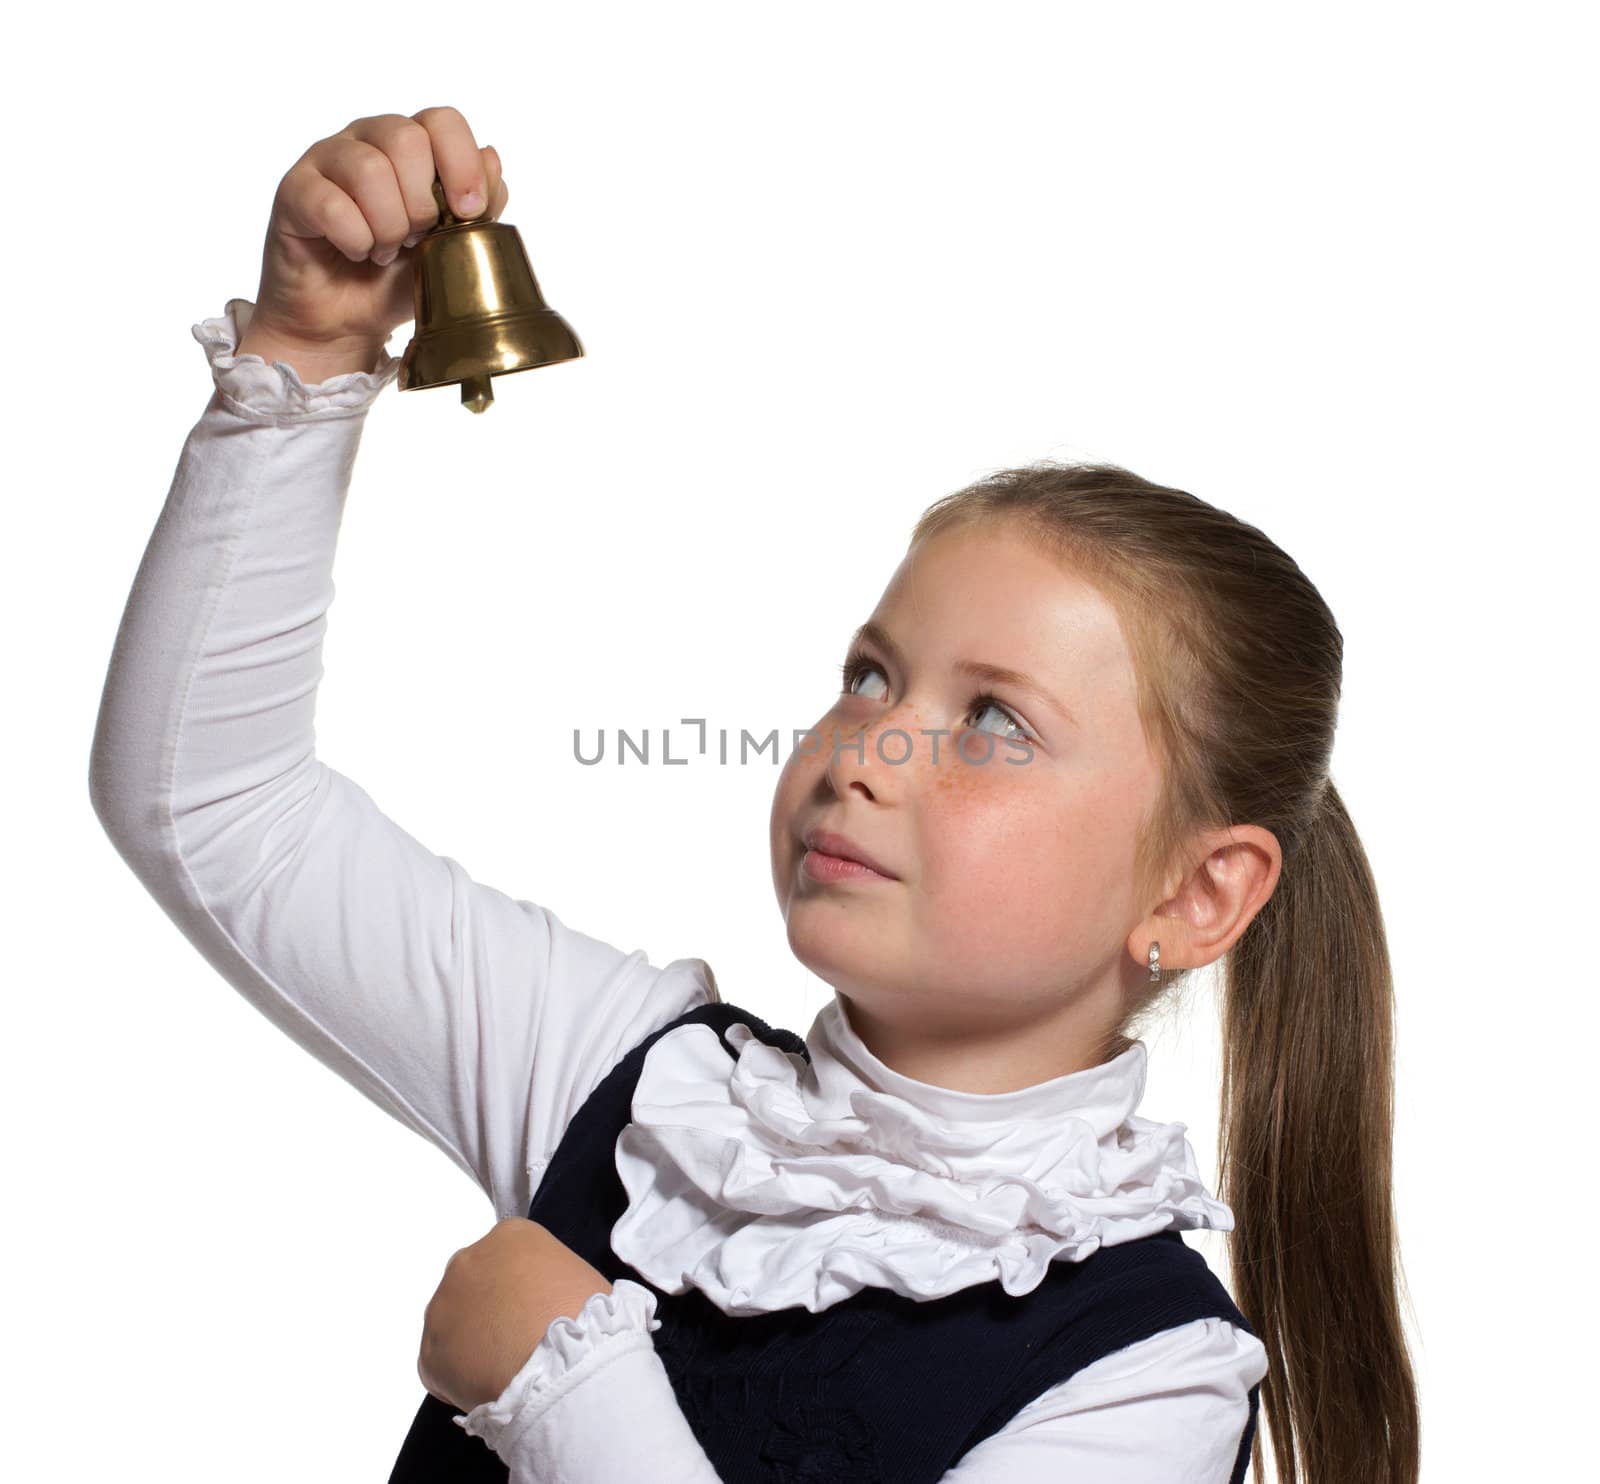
(493,1305)
(337,263)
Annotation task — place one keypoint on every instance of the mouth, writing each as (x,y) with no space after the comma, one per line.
(834,857)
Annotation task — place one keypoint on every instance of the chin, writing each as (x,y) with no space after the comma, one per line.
(850,956)
(823,947)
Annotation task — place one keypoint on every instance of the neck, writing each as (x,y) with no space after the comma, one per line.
(992,1058)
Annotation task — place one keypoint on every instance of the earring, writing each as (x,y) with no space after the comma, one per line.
(1155,962)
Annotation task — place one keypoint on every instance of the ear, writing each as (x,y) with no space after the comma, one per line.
(1215,901)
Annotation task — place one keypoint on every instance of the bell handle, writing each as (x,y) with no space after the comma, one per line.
(448,218)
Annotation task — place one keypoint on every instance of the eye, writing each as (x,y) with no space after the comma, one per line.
(980,704)
(855,666)
(858,665)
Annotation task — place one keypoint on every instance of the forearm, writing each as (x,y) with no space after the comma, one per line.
(210,693)
(558,1417)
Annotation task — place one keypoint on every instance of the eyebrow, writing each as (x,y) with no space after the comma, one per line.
(979,670)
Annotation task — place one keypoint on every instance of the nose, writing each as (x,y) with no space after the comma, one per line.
(873,758)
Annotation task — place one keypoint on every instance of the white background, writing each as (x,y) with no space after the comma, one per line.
(1331,269)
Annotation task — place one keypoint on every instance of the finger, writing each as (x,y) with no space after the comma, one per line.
(457,160)
(409,147)
(365,174)
(311,205)
(495,175)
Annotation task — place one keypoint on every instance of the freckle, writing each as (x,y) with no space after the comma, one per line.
(956,778)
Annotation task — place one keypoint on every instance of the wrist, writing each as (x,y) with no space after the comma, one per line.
(313,361)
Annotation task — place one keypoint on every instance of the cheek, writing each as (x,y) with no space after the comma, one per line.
(1018,867)
(989,807)
(797,780)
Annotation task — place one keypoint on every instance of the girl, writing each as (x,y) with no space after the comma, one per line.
(1081,748)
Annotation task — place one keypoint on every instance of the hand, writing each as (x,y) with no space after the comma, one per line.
(336,274)
(492,1307)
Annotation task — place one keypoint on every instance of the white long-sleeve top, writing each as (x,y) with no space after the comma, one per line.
(483,1021)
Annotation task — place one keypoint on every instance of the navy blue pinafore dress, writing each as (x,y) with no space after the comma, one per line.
(876,1389)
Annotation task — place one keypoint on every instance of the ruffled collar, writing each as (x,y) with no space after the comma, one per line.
(767,1182)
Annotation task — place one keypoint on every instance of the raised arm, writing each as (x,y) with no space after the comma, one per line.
(476,1019)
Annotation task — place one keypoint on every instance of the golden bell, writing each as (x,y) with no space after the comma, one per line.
(478,309)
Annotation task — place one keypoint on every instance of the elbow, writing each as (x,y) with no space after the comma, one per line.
(105,797)
(121,796)
(114,754)
(131,810)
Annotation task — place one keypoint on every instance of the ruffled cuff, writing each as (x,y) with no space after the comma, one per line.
(251,388)
(608,1326)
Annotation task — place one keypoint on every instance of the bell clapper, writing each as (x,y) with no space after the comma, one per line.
(476,393)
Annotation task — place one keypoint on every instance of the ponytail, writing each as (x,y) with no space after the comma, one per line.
(1305,1159)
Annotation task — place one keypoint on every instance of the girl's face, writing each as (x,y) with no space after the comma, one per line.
(1010,902)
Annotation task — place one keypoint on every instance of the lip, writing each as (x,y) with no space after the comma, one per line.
(829,844)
